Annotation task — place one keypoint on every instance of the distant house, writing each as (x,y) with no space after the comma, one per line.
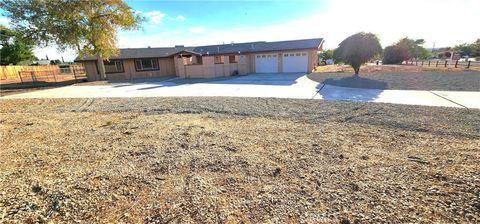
(209,61)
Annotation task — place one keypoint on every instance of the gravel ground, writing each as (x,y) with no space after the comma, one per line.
(206,160)
(450,81)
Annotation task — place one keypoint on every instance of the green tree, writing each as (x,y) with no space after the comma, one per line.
(327,54)
(392,55)
(90,27)
(423,53)
(405,49)
(411,48)
(358,49)
(15,48)
(468,49)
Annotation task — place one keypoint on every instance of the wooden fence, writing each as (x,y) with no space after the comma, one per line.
(40,75)
(447,63)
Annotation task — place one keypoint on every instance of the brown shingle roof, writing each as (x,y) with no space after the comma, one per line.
(250,47)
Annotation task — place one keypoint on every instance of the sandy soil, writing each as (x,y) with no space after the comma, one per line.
(371,68)
(398,77)
(206,160)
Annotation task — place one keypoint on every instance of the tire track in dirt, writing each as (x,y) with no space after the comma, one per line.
(85,105)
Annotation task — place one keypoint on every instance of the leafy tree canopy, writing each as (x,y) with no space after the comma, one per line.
(15,48)
(405,49)
(358,49)
(327,54)
(469,49)
(392,55)
(90,26)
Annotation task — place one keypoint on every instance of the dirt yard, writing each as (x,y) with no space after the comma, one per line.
(230,160)
(399,77)
(371,68)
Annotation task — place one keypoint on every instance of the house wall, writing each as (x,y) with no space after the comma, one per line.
(166,67)
(209,69)
(91,70)
(312,57)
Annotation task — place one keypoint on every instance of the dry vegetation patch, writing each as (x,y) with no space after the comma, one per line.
(189,160)
(399,77)
(370,68)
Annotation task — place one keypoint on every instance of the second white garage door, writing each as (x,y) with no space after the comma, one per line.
(295,62)
(266,63)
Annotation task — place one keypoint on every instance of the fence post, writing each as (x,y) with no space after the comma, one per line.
(468,64)
(428,63)
(436,64)
(456,64)
(422,63)
(20,75)
(446,63)
(416,63)
(54,77)
(74,75)
(33,78)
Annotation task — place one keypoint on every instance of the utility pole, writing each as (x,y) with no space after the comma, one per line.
(433,46)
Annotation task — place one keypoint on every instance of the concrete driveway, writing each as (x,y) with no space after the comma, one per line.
(259,85)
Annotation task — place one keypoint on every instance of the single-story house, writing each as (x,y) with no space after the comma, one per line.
(209,61)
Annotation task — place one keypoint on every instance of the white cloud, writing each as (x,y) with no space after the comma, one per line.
(4,20)
(154,17)
(196,29)
(179,18)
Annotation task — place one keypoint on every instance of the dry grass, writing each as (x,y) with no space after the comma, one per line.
(388,69)
(399,77)
(107,164)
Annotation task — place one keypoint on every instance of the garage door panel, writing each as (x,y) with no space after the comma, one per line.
(295,62)
(266,63)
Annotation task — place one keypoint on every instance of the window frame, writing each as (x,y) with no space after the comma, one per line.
(149,69)
(115,61)
(234,59)
(222,61)
(199,60)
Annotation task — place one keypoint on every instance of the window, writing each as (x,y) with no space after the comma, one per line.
(232,59)
(285,55)
(199,60)
(297,54)
(304,54)
(292,55)
(219,60)
(146,64)
(113,66)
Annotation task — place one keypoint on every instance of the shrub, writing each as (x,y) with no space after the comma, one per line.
(392,55)
(358,49)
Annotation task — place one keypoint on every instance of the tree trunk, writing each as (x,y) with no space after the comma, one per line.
(356,68)
(101,67)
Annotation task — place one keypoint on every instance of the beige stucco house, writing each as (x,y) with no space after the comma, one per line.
(209,61)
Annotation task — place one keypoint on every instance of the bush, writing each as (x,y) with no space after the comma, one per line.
(358,49)
(392,55)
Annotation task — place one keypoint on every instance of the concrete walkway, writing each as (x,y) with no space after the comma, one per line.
(260,85)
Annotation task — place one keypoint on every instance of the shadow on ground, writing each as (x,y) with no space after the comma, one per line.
(356,89)
(357,82)
(250,79)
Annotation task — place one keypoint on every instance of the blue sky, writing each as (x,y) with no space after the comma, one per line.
(169,23)
(218,14)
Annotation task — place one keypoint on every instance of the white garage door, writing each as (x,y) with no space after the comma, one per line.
(266,63)
(295,62)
